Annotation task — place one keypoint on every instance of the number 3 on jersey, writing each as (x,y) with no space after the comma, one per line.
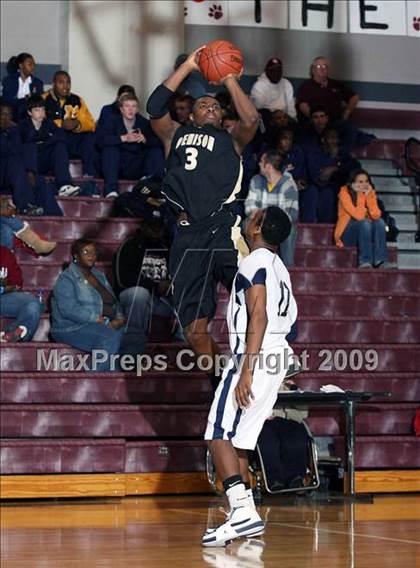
(192,154)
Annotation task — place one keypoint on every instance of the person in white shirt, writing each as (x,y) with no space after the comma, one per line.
(260,314)
(272,90)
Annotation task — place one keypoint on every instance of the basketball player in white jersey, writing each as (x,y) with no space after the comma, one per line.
(261,312)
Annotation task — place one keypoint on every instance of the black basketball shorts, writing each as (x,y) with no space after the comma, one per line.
(202,255)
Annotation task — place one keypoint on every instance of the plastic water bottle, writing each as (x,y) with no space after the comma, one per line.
(40,298)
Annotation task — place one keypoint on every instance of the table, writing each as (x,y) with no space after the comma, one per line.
(348,400)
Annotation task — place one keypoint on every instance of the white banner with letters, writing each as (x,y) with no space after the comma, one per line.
(385,17)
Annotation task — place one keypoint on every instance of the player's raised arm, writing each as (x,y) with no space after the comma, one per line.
(245,129)
(157,105)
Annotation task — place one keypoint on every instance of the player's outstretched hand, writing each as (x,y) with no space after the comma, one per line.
(226,79)
(192,59)
(243,390)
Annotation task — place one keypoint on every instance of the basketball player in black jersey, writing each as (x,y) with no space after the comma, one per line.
(204,171)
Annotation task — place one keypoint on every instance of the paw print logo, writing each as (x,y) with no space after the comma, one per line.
(216,11)
(416,24)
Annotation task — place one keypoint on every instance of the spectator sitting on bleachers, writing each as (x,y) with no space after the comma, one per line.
(328,169)
(272,187)
(31,194)
(280,119)
(141,274)
(293,157)
(114,108)
(147,202)
(338,100)
(85,312)
(320,90)
(11,227)
(226,104)
(360,223)
(249,164)
(272,90)
(23,307)
(44,146)
(130,149)
(20,83)
(274,122)
(69,112)
(181,108)
(310,134)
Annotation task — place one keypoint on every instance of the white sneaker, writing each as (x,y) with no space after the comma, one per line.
(242,521)
(247,554)
(67,190)
(13,336)
(221,558)
(112,194)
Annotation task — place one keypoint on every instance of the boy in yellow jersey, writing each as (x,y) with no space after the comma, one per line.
(69,112)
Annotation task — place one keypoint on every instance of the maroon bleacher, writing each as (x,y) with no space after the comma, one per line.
(75,422)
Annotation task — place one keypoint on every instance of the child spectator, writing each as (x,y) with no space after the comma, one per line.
(130,150)
(69,112)
(273,91)
(272,187)
(279,119)
(23,307)
(44,146)
(114,108)
(293,157)
(20,83)
(141,273)
(360,223)
(11,227)
(310,134)
(328,168)
(85,311)
(31,195)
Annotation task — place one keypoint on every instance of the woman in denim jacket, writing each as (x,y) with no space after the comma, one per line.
(85,312)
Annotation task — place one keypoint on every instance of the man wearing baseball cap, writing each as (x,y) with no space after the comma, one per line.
(272,90)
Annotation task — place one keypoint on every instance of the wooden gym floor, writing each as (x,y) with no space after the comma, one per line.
(165,532)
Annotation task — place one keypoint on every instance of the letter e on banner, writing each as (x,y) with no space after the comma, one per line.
(378,17)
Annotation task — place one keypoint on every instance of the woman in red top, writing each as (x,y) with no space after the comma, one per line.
(360,223)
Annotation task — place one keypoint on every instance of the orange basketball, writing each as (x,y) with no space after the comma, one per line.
(220,58)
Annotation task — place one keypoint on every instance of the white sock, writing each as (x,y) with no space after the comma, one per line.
(237,496)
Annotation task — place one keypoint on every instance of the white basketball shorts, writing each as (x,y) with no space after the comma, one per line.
(226,421)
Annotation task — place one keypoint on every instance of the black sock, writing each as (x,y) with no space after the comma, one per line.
(232,481)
